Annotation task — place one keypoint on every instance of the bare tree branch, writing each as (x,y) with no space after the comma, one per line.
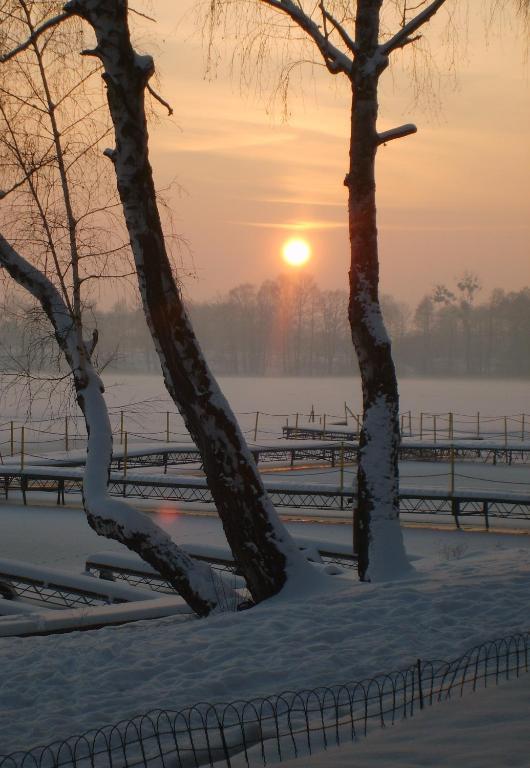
(336,61)
(346,39)
(35,34)
(403,37)
(159,98)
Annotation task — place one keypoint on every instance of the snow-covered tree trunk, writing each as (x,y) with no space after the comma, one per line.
(261,546)
(111,518)
(380,544)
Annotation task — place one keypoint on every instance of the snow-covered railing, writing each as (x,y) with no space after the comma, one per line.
(285,725)
(511,502)
(147,423)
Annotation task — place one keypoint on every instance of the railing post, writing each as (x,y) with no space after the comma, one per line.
(341,475)
(486,515)
(522,427)
(125,449)
(420,686)
(505,431)
(358,431)
(434,425)
(121,427)
(12,439)
(421,425)
(66,448)
(410,424)
(478,425)
(450,426)
(295,425)
(324,427)
(167,426)
(452,483)
(22,447)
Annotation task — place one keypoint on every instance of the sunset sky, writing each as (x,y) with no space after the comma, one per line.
(453,197)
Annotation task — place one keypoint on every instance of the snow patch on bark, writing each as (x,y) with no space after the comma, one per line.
(372,316)
(387,556)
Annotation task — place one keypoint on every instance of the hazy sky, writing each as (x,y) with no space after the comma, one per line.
(455,196)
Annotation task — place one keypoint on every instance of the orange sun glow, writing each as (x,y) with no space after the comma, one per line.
(296,252)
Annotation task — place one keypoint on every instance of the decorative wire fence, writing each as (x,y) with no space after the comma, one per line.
(268,730)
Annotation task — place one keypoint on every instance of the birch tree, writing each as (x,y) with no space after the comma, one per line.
(260,544)
(352,42)
(48,211)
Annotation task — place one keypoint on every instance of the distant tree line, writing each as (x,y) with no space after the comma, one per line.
(290,327)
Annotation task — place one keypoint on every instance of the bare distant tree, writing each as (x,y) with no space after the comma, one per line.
(356,39)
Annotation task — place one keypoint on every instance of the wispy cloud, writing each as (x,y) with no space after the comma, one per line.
(293,226)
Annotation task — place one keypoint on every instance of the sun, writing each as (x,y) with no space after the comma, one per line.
(296,252)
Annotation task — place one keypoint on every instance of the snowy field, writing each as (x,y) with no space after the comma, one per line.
(466,588)
(488,729)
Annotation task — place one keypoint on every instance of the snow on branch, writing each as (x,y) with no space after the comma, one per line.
(405,36)
(346,39)
(40,287)
(336,61)
(396,133)
(37,32)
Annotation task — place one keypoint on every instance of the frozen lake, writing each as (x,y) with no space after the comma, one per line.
(492,397)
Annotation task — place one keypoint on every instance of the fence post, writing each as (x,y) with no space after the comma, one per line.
(421,425)
(66,448)
(22,446)
(486,515)
(420,686)
(125,447)
(341,475)
(434,425)
(522,427)
(345,413)
(12,439)
(324,426)
(167,426)
(358,433)
(410,424)
(256,425)
(121,427)
(312,415)
(450,426)
(452,483)
(295,426)
(505,431)
(478,425)
(402,427)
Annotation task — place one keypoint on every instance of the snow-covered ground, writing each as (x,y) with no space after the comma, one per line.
(487,729)
(467,588)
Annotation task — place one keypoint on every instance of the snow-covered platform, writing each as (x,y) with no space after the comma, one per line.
(489,451)
(176,454)
(292,493)
(37,600)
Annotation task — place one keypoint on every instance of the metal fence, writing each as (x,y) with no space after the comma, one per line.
(267,730)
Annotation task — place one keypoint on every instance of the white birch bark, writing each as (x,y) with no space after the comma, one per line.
(112,518)
(261,546)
